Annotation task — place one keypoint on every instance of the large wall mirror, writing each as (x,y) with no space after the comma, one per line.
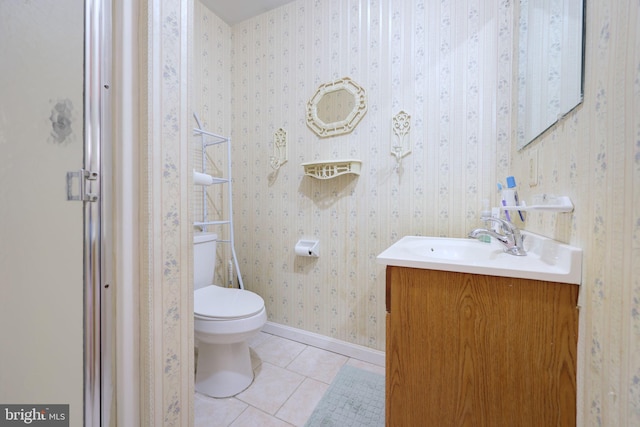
(550,64)
(336,108)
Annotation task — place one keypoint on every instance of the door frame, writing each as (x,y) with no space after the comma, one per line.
(99,264)
(121,216)
(95,98)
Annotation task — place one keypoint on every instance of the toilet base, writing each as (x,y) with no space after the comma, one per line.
(223,370)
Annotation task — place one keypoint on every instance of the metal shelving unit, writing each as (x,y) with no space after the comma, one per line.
(210,139)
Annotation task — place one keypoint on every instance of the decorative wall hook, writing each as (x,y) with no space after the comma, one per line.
(401,143)
(279,157)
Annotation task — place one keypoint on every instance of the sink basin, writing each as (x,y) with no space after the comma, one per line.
(546,259)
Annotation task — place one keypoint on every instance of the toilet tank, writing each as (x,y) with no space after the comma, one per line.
(204,259)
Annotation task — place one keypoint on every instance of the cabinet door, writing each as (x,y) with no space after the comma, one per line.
(472,350)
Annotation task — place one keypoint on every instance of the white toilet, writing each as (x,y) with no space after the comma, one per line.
(224,319)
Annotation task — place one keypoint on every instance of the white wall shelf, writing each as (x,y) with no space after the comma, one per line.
(327,169)
(560,204)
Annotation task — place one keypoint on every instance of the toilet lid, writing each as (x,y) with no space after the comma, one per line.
(216,302)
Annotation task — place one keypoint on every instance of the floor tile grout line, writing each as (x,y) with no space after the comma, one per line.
(273,415)
(261,362)
(297,355)
(241,412)
(285,402)
(304,378)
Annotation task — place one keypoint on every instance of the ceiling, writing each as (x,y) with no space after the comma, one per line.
(234,11)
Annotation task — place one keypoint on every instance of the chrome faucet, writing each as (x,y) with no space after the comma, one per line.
(510,238)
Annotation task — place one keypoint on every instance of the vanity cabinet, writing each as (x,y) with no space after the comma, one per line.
(476,350)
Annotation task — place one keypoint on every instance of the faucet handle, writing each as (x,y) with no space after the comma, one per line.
(505,226)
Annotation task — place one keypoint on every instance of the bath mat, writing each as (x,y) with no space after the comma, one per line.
(354,398)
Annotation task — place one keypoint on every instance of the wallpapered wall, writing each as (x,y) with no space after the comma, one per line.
(166,300)
(459,132)
(449,65)
(594,157)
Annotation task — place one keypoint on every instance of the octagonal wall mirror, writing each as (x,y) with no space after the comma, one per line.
(550,64)
(336,108)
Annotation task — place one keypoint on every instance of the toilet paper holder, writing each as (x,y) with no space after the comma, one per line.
(308,248)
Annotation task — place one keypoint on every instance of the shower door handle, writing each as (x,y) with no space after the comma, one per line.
(81,177)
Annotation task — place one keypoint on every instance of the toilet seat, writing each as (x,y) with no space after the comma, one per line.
(217,303)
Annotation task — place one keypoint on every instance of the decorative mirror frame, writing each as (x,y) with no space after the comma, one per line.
(324,130)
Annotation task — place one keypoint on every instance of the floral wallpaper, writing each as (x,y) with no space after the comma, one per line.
(211,104)
(276,61)
(593,156)
(166,300)
(450,66)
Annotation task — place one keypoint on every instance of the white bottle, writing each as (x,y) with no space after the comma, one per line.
(495,212)
(485,212)
(510,195)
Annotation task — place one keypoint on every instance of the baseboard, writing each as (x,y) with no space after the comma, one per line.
(326,343)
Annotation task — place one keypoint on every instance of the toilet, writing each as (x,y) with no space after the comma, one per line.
(225,318)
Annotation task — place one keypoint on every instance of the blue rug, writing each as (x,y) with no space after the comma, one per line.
(354,398)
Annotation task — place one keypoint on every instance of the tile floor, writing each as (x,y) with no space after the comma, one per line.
(290,379)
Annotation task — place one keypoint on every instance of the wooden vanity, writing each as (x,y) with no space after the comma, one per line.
(477,350)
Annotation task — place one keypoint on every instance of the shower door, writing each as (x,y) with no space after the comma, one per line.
(44,237)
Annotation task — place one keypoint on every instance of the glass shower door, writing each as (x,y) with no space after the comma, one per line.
(41,232)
